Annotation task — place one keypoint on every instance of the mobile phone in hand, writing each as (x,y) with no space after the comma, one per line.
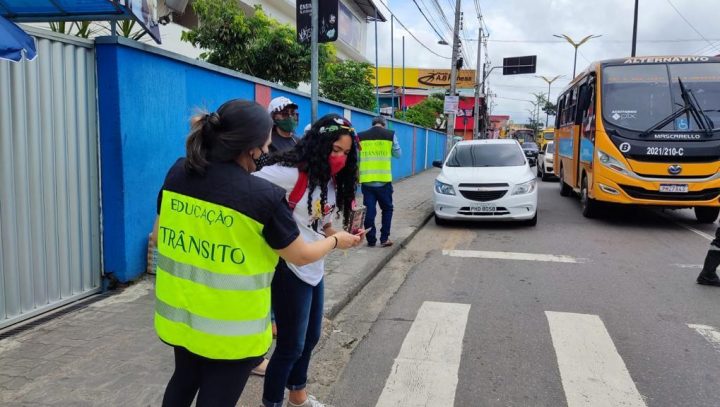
(357,220)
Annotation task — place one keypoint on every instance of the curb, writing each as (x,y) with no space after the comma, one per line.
(374,270)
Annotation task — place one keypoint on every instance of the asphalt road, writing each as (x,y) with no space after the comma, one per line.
(574,311)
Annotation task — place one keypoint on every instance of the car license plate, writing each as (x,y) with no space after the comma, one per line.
(483,208)
(673,188)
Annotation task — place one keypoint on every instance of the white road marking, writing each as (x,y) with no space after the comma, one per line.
(689,266)
(592,371)
(708,332)
(512,256)
(690,228)
(425,372)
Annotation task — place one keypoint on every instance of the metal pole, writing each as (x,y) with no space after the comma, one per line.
(634,40)
(548,99)
(392,67)
(113,28)
(453,72)
(402,102)
(314,62)
(377,72)
(485,113)
(476,107)
(575,61)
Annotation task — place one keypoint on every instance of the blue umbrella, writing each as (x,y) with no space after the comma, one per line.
(14,41)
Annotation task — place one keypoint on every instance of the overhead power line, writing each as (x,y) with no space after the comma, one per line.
(411,33)
(428,21)
(690,24)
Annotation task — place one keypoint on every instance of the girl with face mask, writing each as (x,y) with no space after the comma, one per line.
(327,159)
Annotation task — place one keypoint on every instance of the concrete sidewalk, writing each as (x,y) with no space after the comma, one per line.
(104,352)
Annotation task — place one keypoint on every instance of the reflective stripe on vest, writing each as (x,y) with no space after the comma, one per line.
(213,279)
(375,161)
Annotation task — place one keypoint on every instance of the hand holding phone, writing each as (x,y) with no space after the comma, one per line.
(357,220)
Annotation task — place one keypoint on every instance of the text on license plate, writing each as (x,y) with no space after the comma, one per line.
(673,188)
(483,208)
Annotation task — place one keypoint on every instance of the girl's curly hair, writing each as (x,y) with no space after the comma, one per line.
(311,154)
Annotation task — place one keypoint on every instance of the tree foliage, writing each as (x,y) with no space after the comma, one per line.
(425,112)
(349,82)
(256,45)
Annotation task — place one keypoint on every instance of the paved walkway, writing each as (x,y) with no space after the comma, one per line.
(106,353)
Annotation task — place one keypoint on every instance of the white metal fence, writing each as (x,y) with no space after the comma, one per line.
(49,181)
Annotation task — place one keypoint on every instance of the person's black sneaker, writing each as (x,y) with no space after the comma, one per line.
(371,244)
(708,281)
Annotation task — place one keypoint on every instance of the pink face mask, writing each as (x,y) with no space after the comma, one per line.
(337,163)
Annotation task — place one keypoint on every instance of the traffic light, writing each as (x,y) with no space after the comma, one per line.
(459,63)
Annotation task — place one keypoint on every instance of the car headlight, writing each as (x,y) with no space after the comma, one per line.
(524,188)
(443,188)
(610,162)
(549,158)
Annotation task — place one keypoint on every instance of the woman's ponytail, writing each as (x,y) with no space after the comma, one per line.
(198,143)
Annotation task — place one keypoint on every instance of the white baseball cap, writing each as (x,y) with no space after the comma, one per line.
(280,103)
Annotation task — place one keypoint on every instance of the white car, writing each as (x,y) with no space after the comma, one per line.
(545,161)
(485,180)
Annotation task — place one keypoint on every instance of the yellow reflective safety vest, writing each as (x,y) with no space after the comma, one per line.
(376,155)
(214,271)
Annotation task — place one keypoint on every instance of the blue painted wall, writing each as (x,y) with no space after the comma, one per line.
(146,98)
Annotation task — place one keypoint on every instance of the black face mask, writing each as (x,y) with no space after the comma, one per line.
(261,161)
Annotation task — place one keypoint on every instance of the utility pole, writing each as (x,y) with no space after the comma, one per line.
(402,103)
(392,67)
(485,113)
(453,72)
(634,40)
(476,111)
(314,62)
(377,72)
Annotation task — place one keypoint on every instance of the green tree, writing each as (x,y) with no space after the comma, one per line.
(424,113)
(256,45)
(349,82)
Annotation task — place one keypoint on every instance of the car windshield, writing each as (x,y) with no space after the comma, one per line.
(638,96)
(551,148)
(529,146)
(486,155)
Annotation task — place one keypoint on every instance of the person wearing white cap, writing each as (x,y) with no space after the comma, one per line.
(285,120)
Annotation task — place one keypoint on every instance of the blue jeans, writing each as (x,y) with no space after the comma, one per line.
(298,310)
(383,196)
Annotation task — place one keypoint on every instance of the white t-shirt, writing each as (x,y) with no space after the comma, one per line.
(311,227)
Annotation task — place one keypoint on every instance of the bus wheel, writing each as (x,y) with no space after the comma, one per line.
(565,190)
(589,205)
(706,214)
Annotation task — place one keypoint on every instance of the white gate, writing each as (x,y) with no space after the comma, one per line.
(49,181)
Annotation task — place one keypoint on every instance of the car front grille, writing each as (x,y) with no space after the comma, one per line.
(483,196)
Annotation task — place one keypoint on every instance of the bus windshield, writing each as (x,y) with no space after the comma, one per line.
(548,135)
(636,97)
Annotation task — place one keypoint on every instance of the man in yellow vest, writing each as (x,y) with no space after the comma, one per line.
(378,146)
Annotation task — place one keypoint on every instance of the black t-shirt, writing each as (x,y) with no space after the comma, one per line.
(229,185)
(278,144)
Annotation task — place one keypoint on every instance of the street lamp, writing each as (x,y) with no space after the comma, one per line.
(443,42)
(549,82)
(576,45)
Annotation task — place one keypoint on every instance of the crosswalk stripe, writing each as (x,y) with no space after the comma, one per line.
(511,256)
(708,332)
(425,372)
(592,371)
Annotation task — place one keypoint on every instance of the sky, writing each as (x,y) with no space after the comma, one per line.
(526,27)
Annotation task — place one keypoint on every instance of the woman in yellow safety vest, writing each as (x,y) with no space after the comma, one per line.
(220,234)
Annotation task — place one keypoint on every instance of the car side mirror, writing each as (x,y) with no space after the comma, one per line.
(437,163)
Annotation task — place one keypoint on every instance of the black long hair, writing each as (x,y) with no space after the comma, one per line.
(311,154)
(238,126)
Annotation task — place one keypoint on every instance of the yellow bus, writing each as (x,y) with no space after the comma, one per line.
(642,131)
(546,135)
